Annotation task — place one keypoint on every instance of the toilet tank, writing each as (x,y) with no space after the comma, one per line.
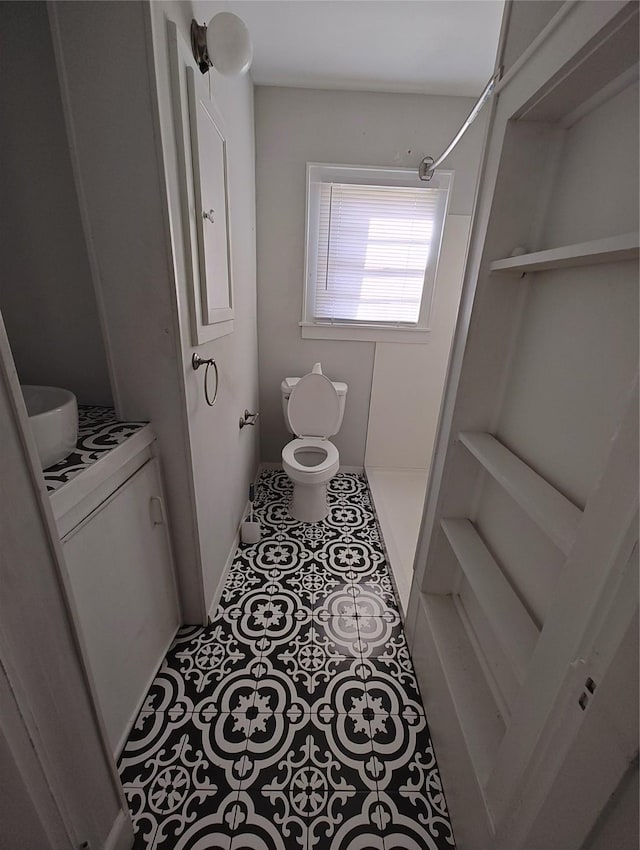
(285,389)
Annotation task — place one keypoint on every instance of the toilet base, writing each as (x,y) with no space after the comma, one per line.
(309,502)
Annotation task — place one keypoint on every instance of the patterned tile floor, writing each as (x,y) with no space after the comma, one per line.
(99,431)
(294,720)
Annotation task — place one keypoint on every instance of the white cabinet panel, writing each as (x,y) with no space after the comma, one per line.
(120,572)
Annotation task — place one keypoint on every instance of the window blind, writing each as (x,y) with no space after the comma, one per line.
(373,248)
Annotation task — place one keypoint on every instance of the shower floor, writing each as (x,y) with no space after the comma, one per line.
(398,496)
(294,720)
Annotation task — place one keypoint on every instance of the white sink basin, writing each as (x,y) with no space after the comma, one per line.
(53,416)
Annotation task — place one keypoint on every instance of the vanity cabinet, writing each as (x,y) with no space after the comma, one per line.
(122,587)
(524,624)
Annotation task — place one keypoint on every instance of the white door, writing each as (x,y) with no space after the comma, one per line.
(531,517)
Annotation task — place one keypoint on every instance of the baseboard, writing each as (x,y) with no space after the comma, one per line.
(227,568)
(121,834)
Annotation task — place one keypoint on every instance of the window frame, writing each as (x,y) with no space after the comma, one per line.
(312,328)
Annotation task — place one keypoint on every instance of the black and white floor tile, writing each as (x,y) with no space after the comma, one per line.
(294,721)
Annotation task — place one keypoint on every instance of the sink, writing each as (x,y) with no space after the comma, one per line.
(53,416)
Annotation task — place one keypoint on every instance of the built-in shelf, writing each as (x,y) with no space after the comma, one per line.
(552,512)
(477,714)
(610,250)
(514,630)
(503,684)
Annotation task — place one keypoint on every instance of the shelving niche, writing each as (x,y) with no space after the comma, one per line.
(610,250)
(555,515)
(532,418)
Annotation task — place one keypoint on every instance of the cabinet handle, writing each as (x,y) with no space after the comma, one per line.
(156,510)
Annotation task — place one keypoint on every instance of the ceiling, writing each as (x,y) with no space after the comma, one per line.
(443,47)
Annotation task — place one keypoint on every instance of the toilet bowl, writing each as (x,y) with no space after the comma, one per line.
(313,408)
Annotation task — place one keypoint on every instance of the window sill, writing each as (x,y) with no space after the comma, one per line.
(364,333)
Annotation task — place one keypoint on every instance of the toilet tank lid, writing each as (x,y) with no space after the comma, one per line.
(288,383)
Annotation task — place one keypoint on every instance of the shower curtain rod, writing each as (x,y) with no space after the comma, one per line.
(428,165)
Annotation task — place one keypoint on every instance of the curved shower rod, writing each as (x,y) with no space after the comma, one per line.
(428,165)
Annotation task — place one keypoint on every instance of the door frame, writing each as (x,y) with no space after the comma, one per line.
(53,722)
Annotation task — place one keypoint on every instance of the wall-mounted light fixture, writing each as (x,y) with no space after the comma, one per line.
(223,44)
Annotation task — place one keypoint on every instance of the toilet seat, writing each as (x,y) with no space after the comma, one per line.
(314,407)
(322,471)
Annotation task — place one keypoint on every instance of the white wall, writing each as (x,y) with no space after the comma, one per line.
(46,292)
(294,126)
(223,459)
(408,379)
(111,111)
(127,167)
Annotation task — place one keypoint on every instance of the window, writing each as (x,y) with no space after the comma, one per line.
(373,238)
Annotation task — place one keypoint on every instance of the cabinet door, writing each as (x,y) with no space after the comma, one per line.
(121,579)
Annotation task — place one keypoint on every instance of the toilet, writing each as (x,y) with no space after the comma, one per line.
(313,407)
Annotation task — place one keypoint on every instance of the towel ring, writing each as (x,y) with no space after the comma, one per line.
(197,362)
